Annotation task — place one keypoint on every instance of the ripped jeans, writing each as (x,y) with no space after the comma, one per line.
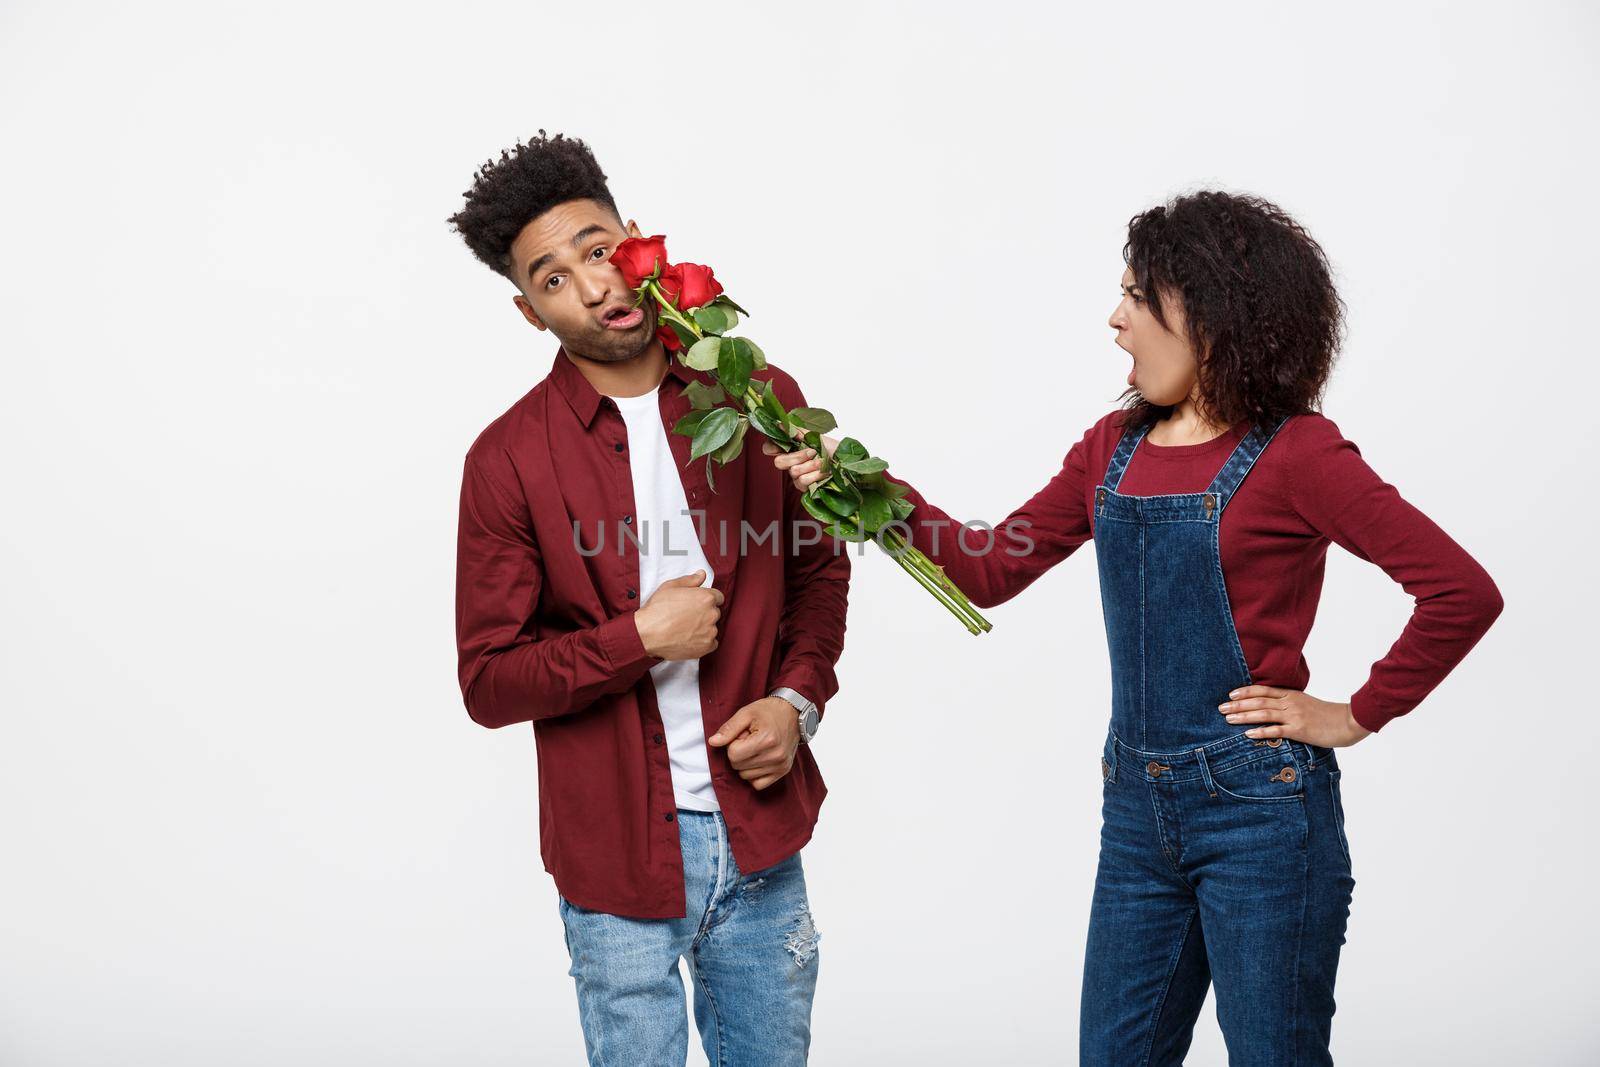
(752,952)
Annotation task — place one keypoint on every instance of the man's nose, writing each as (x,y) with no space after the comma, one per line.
(594,288)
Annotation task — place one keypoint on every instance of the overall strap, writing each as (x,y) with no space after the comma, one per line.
(1120,458)
(1244,457)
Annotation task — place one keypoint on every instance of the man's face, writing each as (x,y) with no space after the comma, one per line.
(562,263)
(1164,368)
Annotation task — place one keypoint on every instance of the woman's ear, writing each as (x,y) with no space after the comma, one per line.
(633,229)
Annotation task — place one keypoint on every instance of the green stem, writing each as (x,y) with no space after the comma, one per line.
(911,559)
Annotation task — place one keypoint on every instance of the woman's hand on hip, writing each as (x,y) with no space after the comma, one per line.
(1273,712)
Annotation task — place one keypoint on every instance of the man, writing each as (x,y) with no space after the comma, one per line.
(670,713)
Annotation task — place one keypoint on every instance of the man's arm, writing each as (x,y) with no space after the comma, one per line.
(507,676)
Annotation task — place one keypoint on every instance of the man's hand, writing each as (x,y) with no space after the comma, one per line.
(679,621)
(761,739)
(1295,715)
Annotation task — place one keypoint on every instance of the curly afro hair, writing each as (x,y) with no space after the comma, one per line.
(1257,295)
(523,184)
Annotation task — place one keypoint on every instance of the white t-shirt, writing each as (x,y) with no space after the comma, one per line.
(668,548)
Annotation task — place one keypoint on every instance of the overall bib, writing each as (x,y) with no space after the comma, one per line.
(1222,857)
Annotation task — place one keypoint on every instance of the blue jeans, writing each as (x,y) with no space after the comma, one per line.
(1227,863)
(751,947)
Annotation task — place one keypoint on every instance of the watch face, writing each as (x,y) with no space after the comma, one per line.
(808,722)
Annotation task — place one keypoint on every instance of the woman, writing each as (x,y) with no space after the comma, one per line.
(1212,495)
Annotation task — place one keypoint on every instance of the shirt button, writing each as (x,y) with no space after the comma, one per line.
(667,816)
(618,447)
(632,594)
(659,739)
(627,520)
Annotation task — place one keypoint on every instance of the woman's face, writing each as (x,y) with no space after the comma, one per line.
(1164,368)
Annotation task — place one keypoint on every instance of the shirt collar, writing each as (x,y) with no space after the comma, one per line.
(584,398)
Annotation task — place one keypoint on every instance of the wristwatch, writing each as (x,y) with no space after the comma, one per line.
(810,718)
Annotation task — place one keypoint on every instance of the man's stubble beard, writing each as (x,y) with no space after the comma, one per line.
(614,347)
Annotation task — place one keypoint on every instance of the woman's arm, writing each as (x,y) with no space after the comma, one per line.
(1339,495)
(990,566)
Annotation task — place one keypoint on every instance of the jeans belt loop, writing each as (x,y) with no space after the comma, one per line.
(1205,772)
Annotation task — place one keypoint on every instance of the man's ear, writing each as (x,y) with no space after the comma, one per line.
(528,312)
(633,229)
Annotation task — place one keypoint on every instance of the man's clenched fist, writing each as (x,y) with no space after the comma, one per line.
(679,621)
(762,738)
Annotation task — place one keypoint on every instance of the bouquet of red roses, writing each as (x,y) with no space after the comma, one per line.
(855,501)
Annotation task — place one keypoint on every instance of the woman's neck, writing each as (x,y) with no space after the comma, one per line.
(1186,425)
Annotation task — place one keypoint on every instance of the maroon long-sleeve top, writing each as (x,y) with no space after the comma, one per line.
(1311,487)
(545,633)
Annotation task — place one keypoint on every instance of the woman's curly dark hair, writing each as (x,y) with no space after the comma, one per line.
(1257,294)
(523,184)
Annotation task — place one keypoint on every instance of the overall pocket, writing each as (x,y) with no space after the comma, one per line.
(1275,777)
(1338,812)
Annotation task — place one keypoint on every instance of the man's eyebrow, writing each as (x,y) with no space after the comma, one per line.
(577,238)
(593,227)
(534,267)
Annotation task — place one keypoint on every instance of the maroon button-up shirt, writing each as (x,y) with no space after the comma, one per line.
(545,632)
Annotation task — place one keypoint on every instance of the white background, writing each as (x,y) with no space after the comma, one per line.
(247,820)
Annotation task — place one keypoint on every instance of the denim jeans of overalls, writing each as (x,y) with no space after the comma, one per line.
(1222,857)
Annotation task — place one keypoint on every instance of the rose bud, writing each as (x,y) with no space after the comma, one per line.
(639,258)
(689,285)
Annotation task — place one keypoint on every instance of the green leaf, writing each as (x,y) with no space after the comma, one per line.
(901,507)
(870,465)
(714,431)
(845,532)
(849,449)
(730,451)
(769,426)
(836,502)
(817,509)
(686,336)
(818,419)
(690,422)
(723,299)
(734,365)
(892,490)
(703,355)
(701,395)
(875,511)
(711,318)
(771,404)
(711,477)
(755,350)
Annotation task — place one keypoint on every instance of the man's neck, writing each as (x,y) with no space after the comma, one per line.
(630,377)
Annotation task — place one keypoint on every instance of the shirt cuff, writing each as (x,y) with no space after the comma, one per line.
(623,647)
(1365,713)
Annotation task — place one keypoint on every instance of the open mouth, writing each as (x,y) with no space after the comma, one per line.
(622,317)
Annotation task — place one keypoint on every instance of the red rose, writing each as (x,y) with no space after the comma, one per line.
(639,257)
(689,285)
(669,337)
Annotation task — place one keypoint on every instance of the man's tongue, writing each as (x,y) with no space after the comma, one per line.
(626,320)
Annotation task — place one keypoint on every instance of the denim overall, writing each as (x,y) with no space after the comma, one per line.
(1222,857)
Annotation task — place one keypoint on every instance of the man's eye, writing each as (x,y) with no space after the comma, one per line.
(599,251)
(550,283)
